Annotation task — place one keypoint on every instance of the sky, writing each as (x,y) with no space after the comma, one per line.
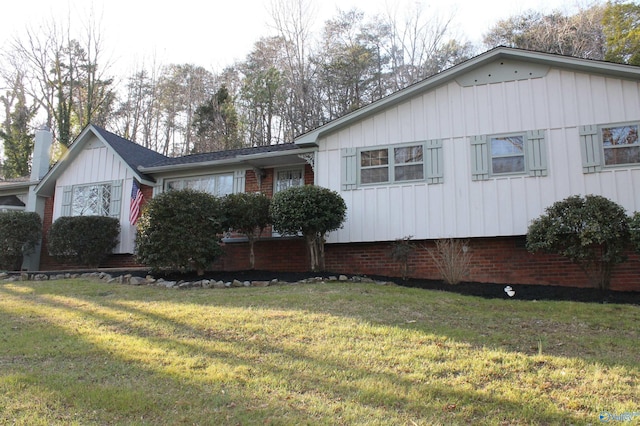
(214,34)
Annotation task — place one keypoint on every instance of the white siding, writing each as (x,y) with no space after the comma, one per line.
(558,103)
(95,164)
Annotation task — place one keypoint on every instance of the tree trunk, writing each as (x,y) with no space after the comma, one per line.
(252,256)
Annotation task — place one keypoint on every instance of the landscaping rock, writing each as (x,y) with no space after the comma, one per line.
(260,283)
(343,278)
(136,281)
(237,283)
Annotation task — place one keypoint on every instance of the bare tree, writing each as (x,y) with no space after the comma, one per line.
(420,41)
(66,77)
(579,35)
(293,20)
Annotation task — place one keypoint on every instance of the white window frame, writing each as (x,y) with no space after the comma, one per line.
(525,169)
(184,182)
(70,192)
(612,148)
(534,155)
(278,188)
(391,164)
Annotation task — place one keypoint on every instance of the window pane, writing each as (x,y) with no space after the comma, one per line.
(91,200)
(288,178)
(376,175)
(507,164)
(377,157)
(621,135)
(174,185)
(507,145)
(412,172)
(622,155)
(409,154)
(224,185)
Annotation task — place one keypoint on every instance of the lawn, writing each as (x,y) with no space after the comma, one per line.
(86,352)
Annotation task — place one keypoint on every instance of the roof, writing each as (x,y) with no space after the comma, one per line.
(132,154)
(259,156)
(16,185)
(223,155)
(11,200)
(537,64)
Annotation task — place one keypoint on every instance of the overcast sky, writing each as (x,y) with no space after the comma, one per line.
(214,34)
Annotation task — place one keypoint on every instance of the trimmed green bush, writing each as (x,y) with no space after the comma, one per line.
(311,211)
(592,232)
(180,231)
(247,214)
(634,229)
(20,232)
(83,240)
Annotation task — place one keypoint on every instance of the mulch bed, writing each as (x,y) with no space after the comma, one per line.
(486,290)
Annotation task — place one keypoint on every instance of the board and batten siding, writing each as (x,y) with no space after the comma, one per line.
(459,207)
(98,164)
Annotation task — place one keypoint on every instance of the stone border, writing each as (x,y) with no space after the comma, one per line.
(149,280)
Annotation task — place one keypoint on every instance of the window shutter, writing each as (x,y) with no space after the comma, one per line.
(590,149)
(536,153)
(349,169)
(67,195)
(479,158)
(434,161)
(116,199)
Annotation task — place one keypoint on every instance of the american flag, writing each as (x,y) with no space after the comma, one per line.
(136,202)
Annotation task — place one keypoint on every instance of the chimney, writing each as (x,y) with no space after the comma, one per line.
(41,148)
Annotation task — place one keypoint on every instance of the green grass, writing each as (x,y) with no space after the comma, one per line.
(83,352)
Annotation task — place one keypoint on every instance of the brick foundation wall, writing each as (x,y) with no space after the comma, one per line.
(502,260)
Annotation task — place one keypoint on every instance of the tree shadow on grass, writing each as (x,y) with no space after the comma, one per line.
(293,373)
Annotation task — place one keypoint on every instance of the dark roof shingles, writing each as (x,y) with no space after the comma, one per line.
(223,155)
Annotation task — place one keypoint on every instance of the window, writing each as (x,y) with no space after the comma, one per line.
(218,185)
(507,154)
(510,154)
(394,164)
(620,144)
(609,145)
(413,162)
(288,178)
(91,200)
(95,199)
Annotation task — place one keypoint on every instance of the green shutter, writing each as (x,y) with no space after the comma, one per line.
(590,149)
(434,161)
(536,153)
(116,199)
(479,158)
(67,195)
(349,169)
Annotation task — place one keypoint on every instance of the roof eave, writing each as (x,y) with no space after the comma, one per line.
(240,159)
(12,188)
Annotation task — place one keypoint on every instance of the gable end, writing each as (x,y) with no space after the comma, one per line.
(503,70)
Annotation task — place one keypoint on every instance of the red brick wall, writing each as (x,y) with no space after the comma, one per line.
(502,260)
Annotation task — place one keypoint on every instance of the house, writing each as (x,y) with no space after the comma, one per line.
(475,152)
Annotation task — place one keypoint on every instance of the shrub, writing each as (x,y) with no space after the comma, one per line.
(312,211)
(401,251)
(452,258)
(247,214)
(634,229)
(180,231)
(591,232)
(20,232)
(83,240)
